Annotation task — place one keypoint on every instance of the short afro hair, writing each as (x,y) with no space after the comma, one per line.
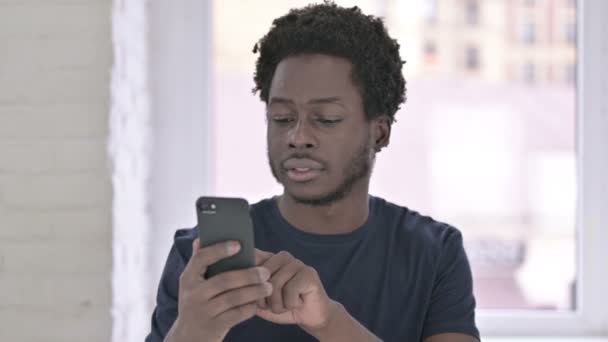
(342,32)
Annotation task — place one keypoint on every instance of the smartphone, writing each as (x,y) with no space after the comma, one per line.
(222,219)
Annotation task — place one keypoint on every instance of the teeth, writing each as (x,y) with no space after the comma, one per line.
(302,169)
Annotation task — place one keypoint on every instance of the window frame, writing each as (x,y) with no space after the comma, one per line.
(590,318)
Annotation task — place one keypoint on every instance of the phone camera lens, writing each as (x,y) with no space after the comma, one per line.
(206,206)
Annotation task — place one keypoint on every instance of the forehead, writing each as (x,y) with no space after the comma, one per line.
(310,76)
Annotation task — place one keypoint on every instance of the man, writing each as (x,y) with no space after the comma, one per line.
(333,262)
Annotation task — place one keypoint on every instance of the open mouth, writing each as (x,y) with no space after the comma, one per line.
(302,174)
(302,169)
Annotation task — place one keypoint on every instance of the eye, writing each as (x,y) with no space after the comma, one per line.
(328,122)
(282,120)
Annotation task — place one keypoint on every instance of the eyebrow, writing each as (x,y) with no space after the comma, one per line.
(323,100)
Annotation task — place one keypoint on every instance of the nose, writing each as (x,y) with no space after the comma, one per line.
(301,136)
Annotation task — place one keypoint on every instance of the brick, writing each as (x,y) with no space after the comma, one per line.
(29,55)
(82,155)
(25,155)
(55,87)
(82,225)
(52,121)
(60,294)
(31,326)
(43,155)
(56,258)
(53,19)
(38,2)
(55,191)
(61,191)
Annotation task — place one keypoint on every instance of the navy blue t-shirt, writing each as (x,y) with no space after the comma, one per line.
(402,275)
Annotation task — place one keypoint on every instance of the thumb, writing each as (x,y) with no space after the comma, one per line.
(282,318)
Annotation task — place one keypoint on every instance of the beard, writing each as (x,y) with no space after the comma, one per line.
(359,167)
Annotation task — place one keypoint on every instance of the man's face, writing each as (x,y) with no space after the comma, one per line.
(319,143)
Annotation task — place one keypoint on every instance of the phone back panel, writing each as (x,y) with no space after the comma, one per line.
(229,219)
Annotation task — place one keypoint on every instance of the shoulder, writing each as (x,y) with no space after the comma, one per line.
(416,229)
(182,242)
(263,216)
(261,208)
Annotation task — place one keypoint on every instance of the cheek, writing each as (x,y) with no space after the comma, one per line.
(346,153)
(337,159)
(274,147)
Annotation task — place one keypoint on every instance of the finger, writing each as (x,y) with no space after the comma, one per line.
(236,315)
(238,297)
(284,318)
(262,303)
(276,261)
(302,283)
(273,263)
(231,280)
(262,256)
(278,280)
(203,257)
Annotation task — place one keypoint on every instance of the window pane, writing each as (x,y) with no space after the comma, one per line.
(485,141)
(472,12)
(472,58)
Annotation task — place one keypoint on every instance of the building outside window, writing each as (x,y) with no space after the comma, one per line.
(472,12)
(570,33)
(472,58)
(430,52)
(529,73)
(529,32)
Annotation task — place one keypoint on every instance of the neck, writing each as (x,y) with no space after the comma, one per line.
(341,217)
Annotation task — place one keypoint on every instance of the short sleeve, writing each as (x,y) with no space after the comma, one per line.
(165,312)
(452,304)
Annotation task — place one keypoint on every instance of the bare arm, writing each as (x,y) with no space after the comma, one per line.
(343,327)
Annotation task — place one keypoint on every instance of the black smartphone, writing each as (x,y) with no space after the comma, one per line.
(222,219)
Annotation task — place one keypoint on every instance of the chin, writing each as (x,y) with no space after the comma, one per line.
(303,191)
(315,198)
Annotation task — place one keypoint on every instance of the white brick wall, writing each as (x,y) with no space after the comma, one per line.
(55,190)
(129,150)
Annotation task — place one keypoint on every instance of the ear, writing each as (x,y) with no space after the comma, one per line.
(381,132)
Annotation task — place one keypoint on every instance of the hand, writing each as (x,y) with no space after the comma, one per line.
(298,295)
(209,308)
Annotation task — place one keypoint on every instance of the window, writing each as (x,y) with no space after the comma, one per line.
(570,73)
(493,157)
(430,12)
(510,149)
(518,180)
(529,73)
(430,52)
(211,164)
(472,12)
(472,58)
(529,32)
(570,33)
